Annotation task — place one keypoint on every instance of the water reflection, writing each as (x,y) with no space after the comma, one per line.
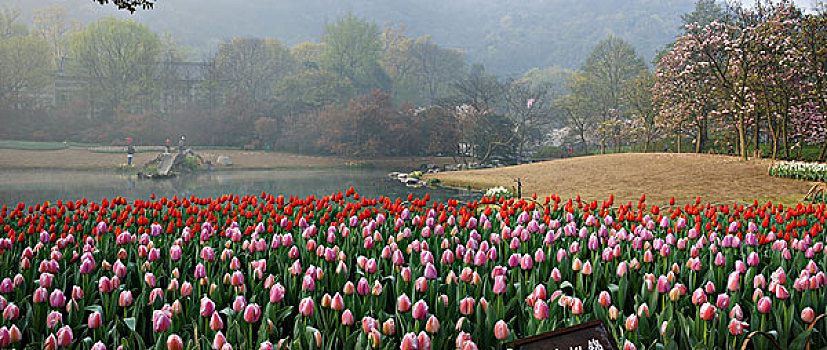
(32,186)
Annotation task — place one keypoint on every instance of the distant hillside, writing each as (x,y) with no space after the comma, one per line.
(508,36)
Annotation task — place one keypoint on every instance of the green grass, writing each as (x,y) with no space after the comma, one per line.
(32,146)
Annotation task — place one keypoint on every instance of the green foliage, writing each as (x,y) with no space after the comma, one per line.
(25,61)
(311,89)
(114,54)
(253,66)
(352,51)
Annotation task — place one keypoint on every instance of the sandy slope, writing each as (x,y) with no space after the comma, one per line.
(659,175)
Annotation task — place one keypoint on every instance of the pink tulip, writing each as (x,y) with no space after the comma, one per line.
(174,342)
(337,303)
(306,307)
(219,341)
(631,323)
(808,315)
(57,299)
(707,311)
(50,343)
(466,306)
(239,303)
(432,326)
(53,318)
(409,342)
(125,298)
(736,327)
(627,345)
(540,310)
(781,292)
(577,307)
(64,336)
(424,341)
(764,305)
(11,312)
(95,321)
(698,297)
(420,310)
(389,327)
(403,303)
(252,313)
(216,323)
(15,335)
(160,321)
(501,331)
(347,318)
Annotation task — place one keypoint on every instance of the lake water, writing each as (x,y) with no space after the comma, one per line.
(32,186)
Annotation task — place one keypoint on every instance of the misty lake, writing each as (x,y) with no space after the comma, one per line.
(31,186)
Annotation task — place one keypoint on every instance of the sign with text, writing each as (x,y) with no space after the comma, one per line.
(587,336)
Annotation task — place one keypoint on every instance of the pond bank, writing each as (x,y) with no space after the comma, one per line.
(75,158)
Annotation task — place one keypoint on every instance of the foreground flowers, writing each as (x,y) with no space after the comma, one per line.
(341,271)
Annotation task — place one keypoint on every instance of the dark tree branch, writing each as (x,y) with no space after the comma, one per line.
(129,5)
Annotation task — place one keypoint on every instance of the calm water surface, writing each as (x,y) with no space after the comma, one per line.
(31,186)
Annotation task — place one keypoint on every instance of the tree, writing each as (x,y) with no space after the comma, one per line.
(50,23)
(706,12)
(129,5)
(352,49)
(253,66)
(25,64)
(637,94)
(612,62)
(527,109)
(421,69)
(309,90)
(120,58)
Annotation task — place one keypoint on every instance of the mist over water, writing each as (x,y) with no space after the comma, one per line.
(35,186)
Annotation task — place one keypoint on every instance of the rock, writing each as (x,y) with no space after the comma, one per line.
(224,160)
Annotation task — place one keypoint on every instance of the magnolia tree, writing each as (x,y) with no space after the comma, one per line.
(742,74)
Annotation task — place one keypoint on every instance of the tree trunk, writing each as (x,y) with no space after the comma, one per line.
(757,149)
(678,137)
(698,140)
(786,139)
(742,140)
(823,151)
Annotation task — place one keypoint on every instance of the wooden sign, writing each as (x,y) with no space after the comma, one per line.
(587,336)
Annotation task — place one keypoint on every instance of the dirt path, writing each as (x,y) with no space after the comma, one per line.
(81,158)
(661,176)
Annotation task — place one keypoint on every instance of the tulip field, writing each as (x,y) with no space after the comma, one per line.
(343,272)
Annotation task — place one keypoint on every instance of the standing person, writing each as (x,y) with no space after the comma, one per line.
(168,145)
(130,152)
(181,144)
